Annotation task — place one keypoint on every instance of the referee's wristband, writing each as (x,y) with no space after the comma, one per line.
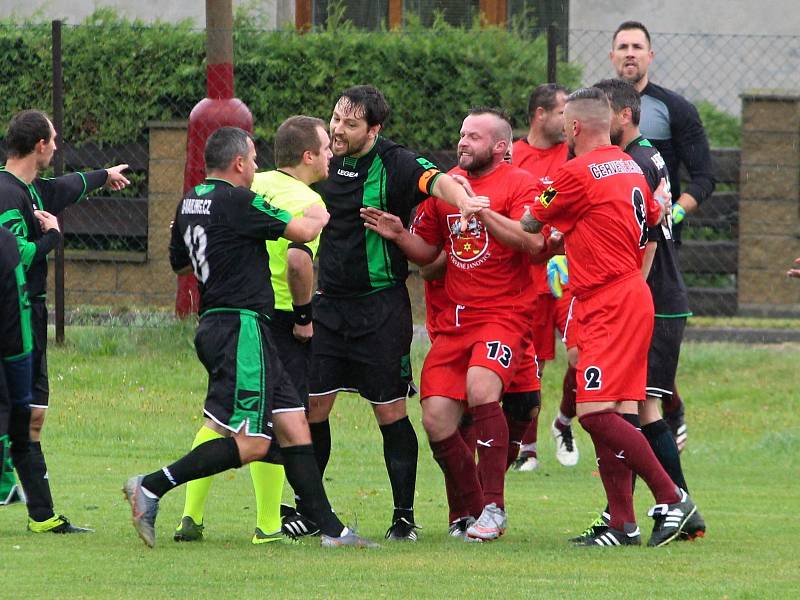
(302,314)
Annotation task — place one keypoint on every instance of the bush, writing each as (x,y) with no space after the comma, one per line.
(120,74)
(723,129)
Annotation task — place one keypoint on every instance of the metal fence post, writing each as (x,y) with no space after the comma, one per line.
(552,53)
(58,168)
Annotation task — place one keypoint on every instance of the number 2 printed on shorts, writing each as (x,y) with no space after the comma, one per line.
(594,378)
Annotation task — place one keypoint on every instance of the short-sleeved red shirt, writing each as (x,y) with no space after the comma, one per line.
(481,272)
(542,163)
(602,204)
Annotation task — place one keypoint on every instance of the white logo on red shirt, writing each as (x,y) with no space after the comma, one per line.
(467,246)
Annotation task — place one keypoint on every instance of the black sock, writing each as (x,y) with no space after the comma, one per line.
(400,451)
(32,470)
(321,438)
(304,477)
(663,444)
(210,458)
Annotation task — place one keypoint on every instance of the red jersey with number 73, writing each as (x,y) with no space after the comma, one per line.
(602,204)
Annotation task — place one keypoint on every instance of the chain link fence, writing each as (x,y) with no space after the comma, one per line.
(115,244)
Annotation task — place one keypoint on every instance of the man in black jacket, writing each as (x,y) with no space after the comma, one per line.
(673,126)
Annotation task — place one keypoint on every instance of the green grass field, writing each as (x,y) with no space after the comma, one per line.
(129,400)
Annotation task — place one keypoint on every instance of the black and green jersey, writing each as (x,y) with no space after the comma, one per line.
(15,309)
(19,199)
(220,230)
(355,261)
(665,280)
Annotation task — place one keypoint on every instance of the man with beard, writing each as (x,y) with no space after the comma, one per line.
(29,207)
(602,203)
(362,313)
(672,125)
(541,153)
(482,341)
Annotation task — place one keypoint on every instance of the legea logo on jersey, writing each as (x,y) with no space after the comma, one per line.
(469,245)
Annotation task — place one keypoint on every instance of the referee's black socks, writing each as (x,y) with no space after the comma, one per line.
(205,460)
(304,477)
(400,450)
(321,439)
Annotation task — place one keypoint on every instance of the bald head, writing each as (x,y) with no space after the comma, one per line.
(587,119)
(591,107)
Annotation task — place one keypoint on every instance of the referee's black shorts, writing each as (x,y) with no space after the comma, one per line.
(363,345)
(662,359)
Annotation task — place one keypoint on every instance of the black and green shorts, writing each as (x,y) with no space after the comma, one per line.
(246,381)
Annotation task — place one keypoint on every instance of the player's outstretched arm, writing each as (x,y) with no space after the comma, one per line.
(390,227)
(794,272)
(530,223)
(511,233)
(116,180)
(306,228)
(455,194)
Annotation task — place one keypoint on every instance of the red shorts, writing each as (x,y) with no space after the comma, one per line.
(550,316)
(570,337)
(527,377)
(471,337)
(615,325)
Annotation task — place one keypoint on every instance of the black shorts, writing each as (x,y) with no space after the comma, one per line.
(363,345)
(295,356)
(41,385)
(662,358)
(246,381)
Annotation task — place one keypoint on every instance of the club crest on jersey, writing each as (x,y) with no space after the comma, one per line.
(547,196)
(467,245)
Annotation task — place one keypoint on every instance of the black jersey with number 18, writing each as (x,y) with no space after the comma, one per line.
(665,280)
(220,230)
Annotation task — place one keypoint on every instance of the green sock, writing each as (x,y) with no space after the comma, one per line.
(268,485)
(197,490)
(7,479)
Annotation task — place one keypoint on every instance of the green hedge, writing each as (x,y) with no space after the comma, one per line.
(119,74)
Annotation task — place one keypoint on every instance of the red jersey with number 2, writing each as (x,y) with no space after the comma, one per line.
(602,204)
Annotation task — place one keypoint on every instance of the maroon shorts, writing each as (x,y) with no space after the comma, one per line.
(471,337)
(615,325)
(549,317)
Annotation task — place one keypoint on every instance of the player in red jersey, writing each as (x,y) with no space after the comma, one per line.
(482,341)
(603,205)
(541,153)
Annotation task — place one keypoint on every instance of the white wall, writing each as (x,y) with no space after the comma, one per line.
(763,17)
(707,50)
(275,12)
